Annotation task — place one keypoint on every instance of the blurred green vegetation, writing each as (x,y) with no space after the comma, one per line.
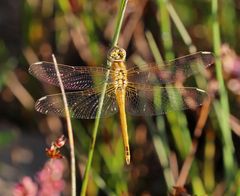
(168,150)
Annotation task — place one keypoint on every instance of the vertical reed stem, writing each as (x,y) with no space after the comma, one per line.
(96,124)
(69,128)
(223,117)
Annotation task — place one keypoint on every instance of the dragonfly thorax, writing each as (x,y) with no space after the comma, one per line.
(120,75)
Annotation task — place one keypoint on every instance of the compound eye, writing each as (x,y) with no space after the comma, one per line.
(116,54)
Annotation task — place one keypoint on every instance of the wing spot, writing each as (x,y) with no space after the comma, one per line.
(42,98)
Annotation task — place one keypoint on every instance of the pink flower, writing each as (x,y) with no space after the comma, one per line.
(49,181)
(50,178)
(25,188)
(231,66)
(230,60)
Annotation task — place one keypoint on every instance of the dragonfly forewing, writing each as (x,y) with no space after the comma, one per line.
(73,78)
(172,71)
(147,100)
(82,104)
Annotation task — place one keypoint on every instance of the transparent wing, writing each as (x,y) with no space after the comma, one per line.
(171,71)
(82,104)
(73,78)
(147,100)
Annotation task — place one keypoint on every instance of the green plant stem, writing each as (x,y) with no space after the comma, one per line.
(178,121)
(154,48)
(69,128)
(181,29)
(201,82)
(96,124)
(119,22)
(223,117)
(165,29)
(160,137)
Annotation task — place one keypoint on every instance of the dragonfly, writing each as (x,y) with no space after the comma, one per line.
(146,90)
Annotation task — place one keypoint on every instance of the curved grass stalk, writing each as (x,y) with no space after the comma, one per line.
(96,124)
(70,131)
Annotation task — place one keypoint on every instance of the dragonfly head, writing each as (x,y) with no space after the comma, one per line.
(116,54)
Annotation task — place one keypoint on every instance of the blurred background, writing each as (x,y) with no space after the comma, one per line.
(190,152)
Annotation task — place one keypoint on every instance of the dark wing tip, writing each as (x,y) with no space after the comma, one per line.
(207,57)
(47,105)
(39,105)
(32,67)
(202,95)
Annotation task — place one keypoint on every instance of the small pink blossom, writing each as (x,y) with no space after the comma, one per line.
(230,60)
(25,188)
(231,66)
(50,178)
(49,181)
